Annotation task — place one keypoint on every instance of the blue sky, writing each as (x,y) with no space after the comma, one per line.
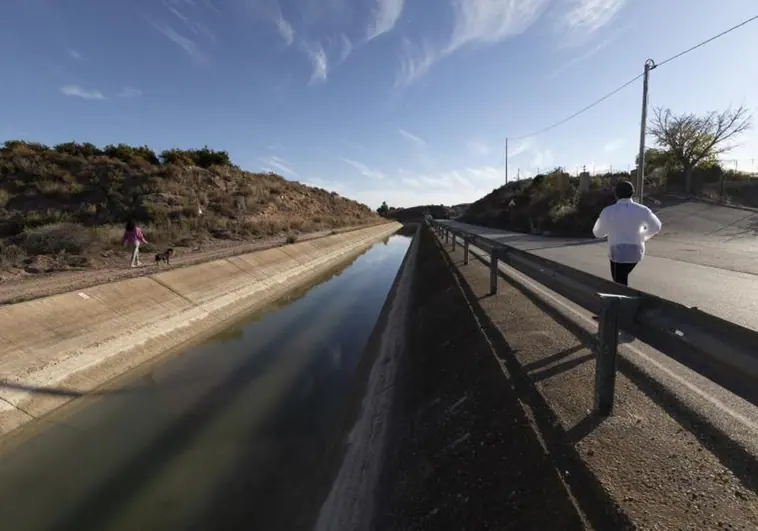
(407,101)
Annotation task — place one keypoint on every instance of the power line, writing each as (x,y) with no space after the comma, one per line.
(585,109)
(743,23)
(619,89)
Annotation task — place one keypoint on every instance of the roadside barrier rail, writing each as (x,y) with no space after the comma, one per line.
(722,351)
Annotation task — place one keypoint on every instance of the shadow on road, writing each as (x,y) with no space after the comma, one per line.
(595,503)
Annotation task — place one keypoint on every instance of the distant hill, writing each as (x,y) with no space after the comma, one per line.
(69,202)
(417,213)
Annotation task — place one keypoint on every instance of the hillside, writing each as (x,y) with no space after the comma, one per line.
(64,207)
(552,203)
(548,204)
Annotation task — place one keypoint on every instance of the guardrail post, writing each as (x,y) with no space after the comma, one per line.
(465,250)
(493,271)
(605,363)
(454,238)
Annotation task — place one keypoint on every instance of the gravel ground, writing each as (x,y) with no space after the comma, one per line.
(463,453)
(657,473)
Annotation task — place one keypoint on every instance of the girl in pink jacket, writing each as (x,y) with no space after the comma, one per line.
(134,237)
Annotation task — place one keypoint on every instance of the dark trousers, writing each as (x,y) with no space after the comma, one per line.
(620,272)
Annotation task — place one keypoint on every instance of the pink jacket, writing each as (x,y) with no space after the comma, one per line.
(133,236)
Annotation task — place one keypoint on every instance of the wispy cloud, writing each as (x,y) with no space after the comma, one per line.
(129,92)
(385,16)
(543,159)
(345,47)
(416,61)
(613,145)
(185,43)
(319,63)
(285,29)
(582,57)
(478,149)
(514,150)
(192,25)
(277,163)
(588,16)
(364,170)
(73,54)
(474,21)
(420,142)
(78,92)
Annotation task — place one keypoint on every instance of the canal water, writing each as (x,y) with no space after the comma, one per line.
(245,431)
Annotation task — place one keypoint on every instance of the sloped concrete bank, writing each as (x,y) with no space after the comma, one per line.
(58,348)
(350,503)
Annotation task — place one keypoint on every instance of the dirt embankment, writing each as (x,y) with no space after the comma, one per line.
(462,453)
(63,208)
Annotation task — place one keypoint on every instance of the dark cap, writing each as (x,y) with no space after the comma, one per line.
(624,190)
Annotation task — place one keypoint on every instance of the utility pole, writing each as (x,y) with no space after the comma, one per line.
(649,65)
(506,160)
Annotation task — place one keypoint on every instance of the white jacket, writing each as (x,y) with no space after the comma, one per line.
(628,225)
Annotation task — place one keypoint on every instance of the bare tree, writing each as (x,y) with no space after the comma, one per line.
(691,139)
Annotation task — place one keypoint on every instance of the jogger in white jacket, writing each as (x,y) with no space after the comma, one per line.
(628,225)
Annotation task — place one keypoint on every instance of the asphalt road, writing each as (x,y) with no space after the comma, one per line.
(706,256)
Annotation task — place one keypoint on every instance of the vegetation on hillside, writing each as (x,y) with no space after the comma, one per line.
(552,203)
(685,160)
(69,202)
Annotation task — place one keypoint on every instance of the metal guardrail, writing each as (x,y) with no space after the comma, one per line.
(723,352)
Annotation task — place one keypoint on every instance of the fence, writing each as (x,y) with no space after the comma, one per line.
(722,351)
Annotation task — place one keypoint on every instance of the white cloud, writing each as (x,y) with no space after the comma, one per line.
(319,63)
(543,160)
(413,138)
(514,150)
(385,16)
(195,27)
(73,54)
(474,21)
(345,47)
(588,16)
(78,92)
(449,187)
(279,165)
(415,62)
(285,29)
(185,43)
(613,145)
(364,170)
(478,149)
(582,57)
(129,92)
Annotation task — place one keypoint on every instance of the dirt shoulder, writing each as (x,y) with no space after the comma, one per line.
(462,452)
(24,286)
(650,466)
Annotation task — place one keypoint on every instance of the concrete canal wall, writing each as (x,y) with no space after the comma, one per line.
(61,347)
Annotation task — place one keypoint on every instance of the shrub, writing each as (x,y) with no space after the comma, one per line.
(56,238)
(130,154)
(78,150)
(203,158)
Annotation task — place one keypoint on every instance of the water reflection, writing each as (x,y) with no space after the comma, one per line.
(244,431)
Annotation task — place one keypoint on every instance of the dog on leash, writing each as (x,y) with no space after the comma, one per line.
(165,256)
